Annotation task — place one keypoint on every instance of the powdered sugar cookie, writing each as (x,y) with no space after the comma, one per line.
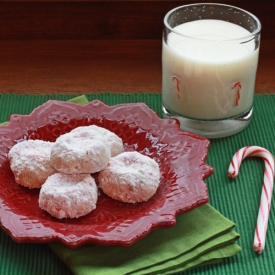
(130,177)
(30,162)
(85,149)
(79,155)
(68,196)
(96,132)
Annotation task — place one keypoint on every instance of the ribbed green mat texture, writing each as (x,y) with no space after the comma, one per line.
(237,199)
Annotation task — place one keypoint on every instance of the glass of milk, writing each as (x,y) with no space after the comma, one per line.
(209,63)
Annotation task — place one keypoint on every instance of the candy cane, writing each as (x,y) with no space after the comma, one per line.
(178,85)
(239,85)
(262,221)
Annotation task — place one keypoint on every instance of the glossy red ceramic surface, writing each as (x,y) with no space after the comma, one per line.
(180,155)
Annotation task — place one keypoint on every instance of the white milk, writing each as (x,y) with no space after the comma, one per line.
(211,79)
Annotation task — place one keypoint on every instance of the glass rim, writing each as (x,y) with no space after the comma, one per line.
(249,36)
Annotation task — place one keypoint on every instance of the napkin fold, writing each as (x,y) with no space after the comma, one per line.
(202,236)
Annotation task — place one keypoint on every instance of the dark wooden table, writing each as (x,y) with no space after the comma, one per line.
(100,46)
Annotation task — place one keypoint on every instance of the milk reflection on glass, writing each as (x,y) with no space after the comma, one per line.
(209,62)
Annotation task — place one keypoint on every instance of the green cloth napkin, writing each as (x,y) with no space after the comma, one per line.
(200,237)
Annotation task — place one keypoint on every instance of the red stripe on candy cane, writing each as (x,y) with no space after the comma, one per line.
(267,189)
(257,249)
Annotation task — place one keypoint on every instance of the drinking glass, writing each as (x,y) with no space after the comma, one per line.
(209,63)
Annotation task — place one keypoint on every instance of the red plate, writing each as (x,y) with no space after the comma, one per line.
(180,155)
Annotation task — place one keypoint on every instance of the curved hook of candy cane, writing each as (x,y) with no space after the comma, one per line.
(266,196)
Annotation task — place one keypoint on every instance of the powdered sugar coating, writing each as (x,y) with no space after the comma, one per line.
(30,162)
(130,177)
(68,196)
(96,132)
(85,149)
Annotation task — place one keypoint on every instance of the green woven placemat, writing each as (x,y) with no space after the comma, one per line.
(236,199)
